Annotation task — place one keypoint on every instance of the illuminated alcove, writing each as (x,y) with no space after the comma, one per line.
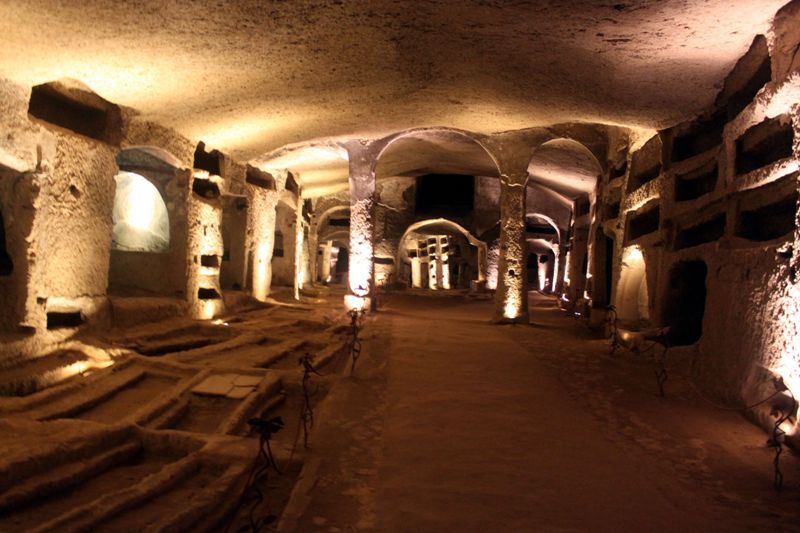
(632,300)
(140,217)
(149,223)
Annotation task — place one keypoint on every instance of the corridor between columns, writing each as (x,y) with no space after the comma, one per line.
(453,424)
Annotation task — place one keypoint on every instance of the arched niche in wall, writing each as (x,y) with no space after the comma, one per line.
(148,219)
(434,243)
(632,296)
(141,221)
(542,269)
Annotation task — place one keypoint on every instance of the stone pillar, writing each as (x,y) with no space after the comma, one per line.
(325,272)
(298,246)
(482,262)
(362,224)
(511,298)
(260,238)
(416,273)
(205,249)
(313,251)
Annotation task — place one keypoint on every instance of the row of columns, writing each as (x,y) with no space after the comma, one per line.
(511,300)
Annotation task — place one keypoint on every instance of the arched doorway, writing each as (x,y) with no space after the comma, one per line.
(632,298)
(148,252)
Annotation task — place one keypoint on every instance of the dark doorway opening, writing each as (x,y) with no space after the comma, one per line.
(6,266)
(685,302)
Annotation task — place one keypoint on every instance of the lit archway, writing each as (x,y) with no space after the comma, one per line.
(140,217)
(439,227)
(632,297)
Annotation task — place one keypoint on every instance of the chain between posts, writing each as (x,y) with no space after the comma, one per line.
(355,329)
(266,428)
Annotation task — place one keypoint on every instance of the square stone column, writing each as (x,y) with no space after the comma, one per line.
(362,225)
(511,298)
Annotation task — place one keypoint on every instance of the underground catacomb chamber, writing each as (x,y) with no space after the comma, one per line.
(685,302)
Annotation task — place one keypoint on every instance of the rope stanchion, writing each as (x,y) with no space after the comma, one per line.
(612,319)
(779,434)
(266,428)
(307,411)
(355,343)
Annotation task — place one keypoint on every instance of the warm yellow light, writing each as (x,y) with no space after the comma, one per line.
(633,254)
(140,217)
(260,286)
(511,309)
(358,303)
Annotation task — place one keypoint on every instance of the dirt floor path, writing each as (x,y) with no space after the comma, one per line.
(454,424)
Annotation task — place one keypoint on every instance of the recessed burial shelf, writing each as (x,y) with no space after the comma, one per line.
(291,185)
(383,260)
(205,293)
(582,207)
(77,110)
(703,135)
(709,231)
(619,170)
(205,188)
(769,222)
(645,164)
(208,161)
(259,178)
(64,319)
(612,210)
(696,183)
(764,144)
(643,223)
(339,222)
(209,261)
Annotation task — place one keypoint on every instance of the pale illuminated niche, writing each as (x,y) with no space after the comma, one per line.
(566,267)
(140,217)
(298,261)
(632,300)
(260,286)
(555,274)
(357,303)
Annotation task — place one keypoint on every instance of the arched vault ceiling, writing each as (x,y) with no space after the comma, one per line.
(435,153)
(250,76)
(565,166)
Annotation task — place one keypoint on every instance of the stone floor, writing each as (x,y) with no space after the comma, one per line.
(453,424)
(446,423)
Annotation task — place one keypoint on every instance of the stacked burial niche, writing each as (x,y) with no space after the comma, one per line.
(204,243)
(149,225)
